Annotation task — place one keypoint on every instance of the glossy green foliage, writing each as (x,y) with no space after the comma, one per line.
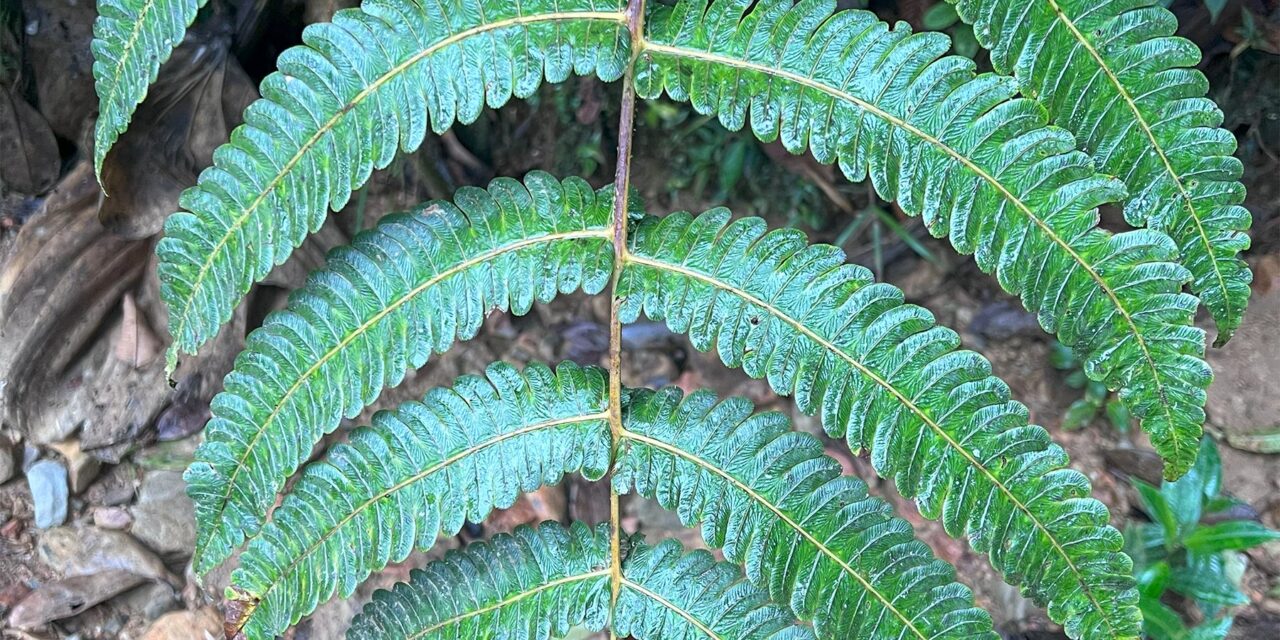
(978,163)
(531,584)
(1188,548)
(536,584)
(363,86)
(668,594)
(885,377)
(807,534)
(1113,73)
(409,287)
(418,472)
(131,39)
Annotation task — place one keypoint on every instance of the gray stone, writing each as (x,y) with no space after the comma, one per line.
(8,463)
(48,482)
(78,551)
(164,518)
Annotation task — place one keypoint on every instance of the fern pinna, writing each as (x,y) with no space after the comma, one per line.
(808,554)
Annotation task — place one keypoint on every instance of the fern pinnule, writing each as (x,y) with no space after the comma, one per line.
(807,534)
(883,376)
(978,163)
(361,88)
(538,583)
(410,287)
(131,39)
(419,472)
(1114,73)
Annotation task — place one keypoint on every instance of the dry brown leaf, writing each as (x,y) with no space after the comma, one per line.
(31,158)
(136,344)
(63,279)
(189,111)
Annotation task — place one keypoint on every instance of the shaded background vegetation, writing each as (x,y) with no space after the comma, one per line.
(93,439)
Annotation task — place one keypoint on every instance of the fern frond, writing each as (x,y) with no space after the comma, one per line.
(418,472)
(1113,73)
(668,594)
(885,377)
(535,584)
(361,87)
(131,39)
(976,162)
(411,286)
(808,535)
(531,584)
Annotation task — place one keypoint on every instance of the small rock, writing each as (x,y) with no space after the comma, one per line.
(8,464)
(149,601)
(112,518)
(68,597)
(77,551)
(81,467)
(203,624)
(164,518)
(48,482)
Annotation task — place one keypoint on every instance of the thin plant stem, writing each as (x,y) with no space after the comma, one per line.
(622,188)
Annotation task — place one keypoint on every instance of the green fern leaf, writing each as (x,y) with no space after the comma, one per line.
(806,534)
(131,39)
(418,472)
(531,584)
(885,377)
(668,594)
(361,88)
(408,288)
(536,584)
(979,165)
(1112,72)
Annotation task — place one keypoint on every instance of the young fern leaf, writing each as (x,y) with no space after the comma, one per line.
(977,163)
(886,378)
(421,471)
(362,87)
(806,534)
(131,39)
(533,584)
(536,584)
(411,286)
(1113,73)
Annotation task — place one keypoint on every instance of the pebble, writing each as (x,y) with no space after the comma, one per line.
(164,518)
(203,624)
(8,464)
(48,482)
(112,518)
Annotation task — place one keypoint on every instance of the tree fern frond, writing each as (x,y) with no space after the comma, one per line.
(131,39)
(1113,73)
(976,162)
(531,584)
(340,106)
(807,534)
(418,472)
(411,286)
(668,594)
(885,377)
